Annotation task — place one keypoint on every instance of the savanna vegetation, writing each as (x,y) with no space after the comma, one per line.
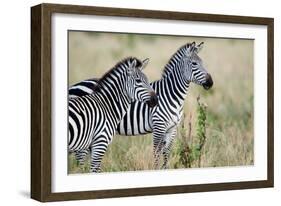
(217,128)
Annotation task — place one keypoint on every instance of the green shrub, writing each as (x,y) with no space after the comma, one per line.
(188,149)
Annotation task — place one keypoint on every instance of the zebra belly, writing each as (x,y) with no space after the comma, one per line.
(137,120)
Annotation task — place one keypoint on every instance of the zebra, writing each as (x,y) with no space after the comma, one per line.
(93,118)
(184,66)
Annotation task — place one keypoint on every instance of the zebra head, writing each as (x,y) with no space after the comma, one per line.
(138,87)
(194,70)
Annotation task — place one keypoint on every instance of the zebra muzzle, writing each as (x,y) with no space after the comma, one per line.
(209,82)
(153,100)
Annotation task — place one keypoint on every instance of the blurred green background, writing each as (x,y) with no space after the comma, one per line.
(229,131)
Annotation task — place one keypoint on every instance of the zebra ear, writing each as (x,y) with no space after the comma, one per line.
(199,47)
(191,47)
(132,66)
(144,63)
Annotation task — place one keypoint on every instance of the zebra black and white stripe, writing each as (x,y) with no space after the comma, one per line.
(93,118)
(184,66)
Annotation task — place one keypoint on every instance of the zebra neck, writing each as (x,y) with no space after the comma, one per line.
(115,101)
(176,87)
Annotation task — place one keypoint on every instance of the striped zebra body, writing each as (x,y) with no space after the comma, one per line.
(93,118)
(184,67)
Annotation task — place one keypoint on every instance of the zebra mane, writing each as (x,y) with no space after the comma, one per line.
(182,51)
(121,64)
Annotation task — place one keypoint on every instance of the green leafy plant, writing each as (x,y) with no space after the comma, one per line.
(200,128)
(189,149)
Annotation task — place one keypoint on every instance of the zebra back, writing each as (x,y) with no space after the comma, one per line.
(82,88)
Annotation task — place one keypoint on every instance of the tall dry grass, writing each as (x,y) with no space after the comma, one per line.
(229,131)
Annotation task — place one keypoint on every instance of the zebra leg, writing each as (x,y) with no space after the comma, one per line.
(169,139)
(157,148)
(98,149)
(80,156)
(158,142)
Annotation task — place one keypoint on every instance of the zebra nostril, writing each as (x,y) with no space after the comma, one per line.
(209,82)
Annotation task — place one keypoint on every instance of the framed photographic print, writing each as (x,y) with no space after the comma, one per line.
(130,102)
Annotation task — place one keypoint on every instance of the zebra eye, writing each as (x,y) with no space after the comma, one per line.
(138,81)
(194,63)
